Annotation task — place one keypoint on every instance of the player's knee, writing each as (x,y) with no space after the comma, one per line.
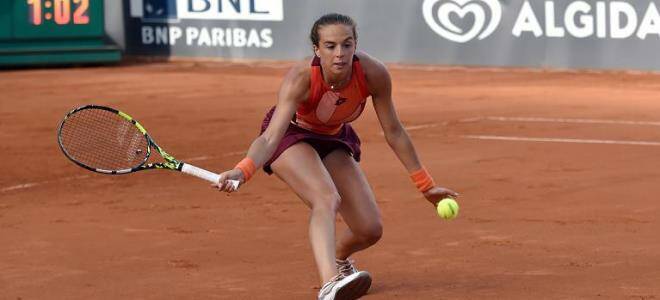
(327,203)
(372,233)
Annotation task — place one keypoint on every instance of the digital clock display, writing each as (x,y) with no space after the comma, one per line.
(53,32)
(58,18)
(63,12)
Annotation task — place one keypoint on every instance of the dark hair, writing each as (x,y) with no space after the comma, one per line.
(331,19)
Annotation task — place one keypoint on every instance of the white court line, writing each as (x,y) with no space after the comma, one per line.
(422,126)
(566,120)
(33,184)
(19,187)
(539,120)
(417,127)
(560,140)
(198,158)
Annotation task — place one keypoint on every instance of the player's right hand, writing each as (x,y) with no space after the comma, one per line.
(223,184)
(438,193)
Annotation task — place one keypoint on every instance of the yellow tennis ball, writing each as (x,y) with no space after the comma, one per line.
(447,208)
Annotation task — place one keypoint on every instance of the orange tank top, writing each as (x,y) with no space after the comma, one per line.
(326,111)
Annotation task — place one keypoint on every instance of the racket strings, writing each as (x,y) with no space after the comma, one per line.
(102,139)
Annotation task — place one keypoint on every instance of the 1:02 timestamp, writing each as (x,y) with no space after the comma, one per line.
(59,10)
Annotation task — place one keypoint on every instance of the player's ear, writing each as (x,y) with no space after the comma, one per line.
(316,51)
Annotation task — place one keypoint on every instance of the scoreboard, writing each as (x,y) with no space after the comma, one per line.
(54,32)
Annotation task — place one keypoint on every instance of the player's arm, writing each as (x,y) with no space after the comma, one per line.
(293,91)
(380,87)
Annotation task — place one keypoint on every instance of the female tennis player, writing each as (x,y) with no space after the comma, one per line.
(307,141)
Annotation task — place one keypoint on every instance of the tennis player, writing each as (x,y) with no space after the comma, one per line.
(307,141)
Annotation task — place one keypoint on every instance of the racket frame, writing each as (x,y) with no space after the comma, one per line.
(170,162)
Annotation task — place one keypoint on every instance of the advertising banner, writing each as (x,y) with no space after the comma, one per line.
(551,33)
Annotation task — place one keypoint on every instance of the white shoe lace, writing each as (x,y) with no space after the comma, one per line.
(345,266)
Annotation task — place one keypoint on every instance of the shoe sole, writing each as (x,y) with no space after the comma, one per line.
(356,288)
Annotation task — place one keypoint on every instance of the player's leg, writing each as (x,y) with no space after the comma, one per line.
(358,206)
(302,169)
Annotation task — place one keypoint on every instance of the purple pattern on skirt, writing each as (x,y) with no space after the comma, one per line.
(346,138)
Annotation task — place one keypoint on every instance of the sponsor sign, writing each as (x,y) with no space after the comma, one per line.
(610,34)
(577,19)
(169,10)
(190,27)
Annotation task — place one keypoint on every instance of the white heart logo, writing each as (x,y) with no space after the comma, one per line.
(449,30)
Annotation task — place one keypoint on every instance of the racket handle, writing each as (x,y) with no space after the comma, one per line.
(206,175)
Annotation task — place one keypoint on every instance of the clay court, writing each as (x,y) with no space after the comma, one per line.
(557,172)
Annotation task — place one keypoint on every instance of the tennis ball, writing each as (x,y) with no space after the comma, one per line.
(447,208)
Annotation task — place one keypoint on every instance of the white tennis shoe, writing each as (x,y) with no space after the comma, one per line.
(349,287)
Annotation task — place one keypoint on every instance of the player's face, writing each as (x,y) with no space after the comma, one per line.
(336,48)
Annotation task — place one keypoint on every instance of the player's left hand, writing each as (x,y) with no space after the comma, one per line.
(438,193)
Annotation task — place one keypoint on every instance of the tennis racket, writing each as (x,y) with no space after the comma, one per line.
(108,141)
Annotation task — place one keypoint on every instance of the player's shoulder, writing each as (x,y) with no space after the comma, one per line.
(375,71)
(370,64)
(303,64)
(300,72)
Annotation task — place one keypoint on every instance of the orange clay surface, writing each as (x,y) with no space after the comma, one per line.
(539,219)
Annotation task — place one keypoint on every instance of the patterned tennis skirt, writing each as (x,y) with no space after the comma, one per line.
(346,138)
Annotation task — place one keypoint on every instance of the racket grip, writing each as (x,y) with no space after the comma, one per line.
(206,175)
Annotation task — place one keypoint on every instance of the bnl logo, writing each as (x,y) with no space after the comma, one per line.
(159,9)
(173,10)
